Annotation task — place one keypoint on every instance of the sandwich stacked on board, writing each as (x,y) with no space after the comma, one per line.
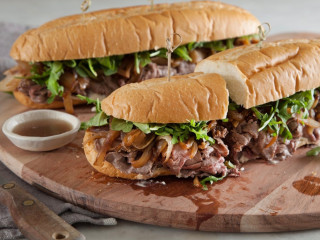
(95,53)
(188,127)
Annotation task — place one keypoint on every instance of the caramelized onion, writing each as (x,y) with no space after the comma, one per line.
(159,60)
(310,122)
(197,55)
(83,83)
(142,143)
(203,145)
(310,130)
(145,157)
(67,102)
(316,101)
(196,182)
(194,150)
(272,141)
(168,139)
(125,69)
(137,139)
(161,147)
(131,136)
(211,125)
(187,145)
(11,82)
(67,80)
(107,144)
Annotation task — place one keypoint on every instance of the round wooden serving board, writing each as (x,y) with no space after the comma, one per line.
(265,198)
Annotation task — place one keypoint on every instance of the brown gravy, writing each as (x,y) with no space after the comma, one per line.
(42,128)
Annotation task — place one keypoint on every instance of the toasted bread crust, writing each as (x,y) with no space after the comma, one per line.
(195,96)
(256,75)
(106,32)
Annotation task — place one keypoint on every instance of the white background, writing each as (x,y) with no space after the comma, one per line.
(283,15)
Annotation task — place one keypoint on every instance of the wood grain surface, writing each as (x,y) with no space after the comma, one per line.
(265,198)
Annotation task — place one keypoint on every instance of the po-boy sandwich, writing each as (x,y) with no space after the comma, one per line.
(181,127)
(95,53)
(274,88)
(160,127)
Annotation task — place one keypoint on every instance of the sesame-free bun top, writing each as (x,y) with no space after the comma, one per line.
(132,29)
(260,74)
(195,96)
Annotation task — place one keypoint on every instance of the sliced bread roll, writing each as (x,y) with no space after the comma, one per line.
(194,96)
(260,74)
(132,29)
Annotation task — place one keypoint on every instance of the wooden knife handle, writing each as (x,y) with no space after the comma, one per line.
(33,218)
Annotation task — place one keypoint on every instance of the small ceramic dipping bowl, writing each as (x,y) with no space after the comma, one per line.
(40,143)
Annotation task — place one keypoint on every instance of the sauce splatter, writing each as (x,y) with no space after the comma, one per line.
(207,202)
(310,185)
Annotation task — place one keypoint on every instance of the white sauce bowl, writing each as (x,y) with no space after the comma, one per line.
(41,143)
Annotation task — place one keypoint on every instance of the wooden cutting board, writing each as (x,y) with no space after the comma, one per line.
(266,198)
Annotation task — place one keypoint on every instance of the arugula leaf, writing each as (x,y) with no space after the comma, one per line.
(110,64)
(52,81)
(159,53)
(70,63)
(282,110)
(98,120)
(141,59)
(216,46)
(96,102)
(229,164)
(144,127)
(121,125)
(84,69)
(229,43)
(182,52)
(193,45)
(313,152)
(179,132)
(233,106)
(90,64)
(48,73)
(211,180)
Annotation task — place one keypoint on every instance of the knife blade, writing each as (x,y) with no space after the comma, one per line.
(33,218)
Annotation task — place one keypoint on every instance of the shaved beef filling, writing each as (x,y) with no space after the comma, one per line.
(185,160)
(103,85)
(37,93)
(237,140)
(246,143)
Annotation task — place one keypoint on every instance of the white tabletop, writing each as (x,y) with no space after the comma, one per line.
(283,15)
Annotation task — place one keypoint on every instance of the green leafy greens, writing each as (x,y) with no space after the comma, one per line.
(282,110)
(48,73)
(211,180)
(179,131)
(313,152)
(100,119)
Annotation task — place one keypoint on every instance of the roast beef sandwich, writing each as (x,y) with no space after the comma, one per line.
(160,127)
(187,127)
(274,92)
(97,52)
